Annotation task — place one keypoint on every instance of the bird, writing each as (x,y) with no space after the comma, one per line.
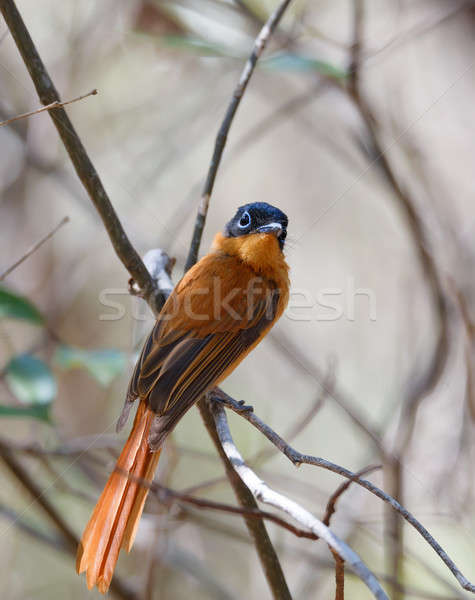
(219,311)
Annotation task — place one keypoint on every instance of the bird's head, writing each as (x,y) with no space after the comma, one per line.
(258,218)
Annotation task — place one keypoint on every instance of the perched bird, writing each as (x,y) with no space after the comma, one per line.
(218,312)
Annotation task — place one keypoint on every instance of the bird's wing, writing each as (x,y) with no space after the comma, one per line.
(207,326)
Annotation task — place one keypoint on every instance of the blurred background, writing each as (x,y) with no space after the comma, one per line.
(358,123)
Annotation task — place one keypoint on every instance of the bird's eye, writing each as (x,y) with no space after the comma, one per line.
(245,220)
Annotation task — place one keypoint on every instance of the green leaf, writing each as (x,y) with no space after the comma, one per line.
(17,307)
(286,61)
(30,380)
(103,365)
(196,45)
(36,411)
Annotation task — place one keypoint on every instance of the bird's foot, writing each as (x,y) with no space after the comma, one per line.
(237,405)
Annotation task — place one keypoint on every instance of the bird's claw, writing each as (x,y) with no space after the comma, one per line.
(236,405)
(241,406)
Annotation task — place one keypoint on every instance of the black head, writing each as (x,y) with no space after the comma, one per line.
(258,217)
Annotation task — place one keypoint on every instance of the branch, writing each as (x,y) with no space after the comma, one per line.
(331,504)
(168,497)
(34,248)
(148,288)
(330,510)
(79,157)
(297,458)
(292,352)
(265,550)
(259,45)
(414,224)
(264,493)
(416,228)
(55,104)
(70,540)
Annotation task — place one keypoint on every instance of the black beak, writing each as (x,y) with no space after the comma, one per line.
(274,228)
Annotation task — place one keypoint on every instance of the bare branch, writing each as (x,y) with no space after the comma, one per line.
(55,104)
(339,576)
(331,504)
(265,494)
(120,589)
(167,497)
(79,157)
(415,225)
(34,248)
(265,550)
(259,45)
(297,458)
(292,352)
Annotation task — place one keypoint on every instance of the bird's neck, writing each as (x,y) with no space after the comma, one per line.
(258,251)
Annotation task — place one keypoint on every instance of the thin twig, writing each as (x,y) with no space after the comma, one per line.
(298,427)
(259,45)
(330,510)
(292,352)
(57,542)
(79,157)
(52,105)
(331,504)
(339,576)
(34,248)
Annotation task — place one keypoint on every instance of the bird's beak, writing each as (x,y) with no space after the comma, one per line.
(274,228)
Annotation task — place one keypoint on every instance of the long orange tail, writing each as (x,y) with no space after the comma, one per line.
(115,519)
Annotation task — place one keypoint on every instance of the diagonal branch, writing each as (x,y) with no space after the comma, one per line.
(69,538)
(79,157)
(33,248)
(297,458)
(264,493)
(259,45)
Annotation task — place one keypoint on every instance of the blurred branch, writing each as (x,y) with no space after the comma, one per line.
(56,542)
(79,157)
(55,104)
(297,458)
(413,219)
(259,45)
(34,248)
(167,497)
(22,475)
(120,589)
(300,424)
(292,352)
(420,29)
(264,493)
(416,228)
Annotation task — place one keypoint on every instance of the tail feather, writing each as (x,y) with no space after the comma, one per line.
(115,519)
